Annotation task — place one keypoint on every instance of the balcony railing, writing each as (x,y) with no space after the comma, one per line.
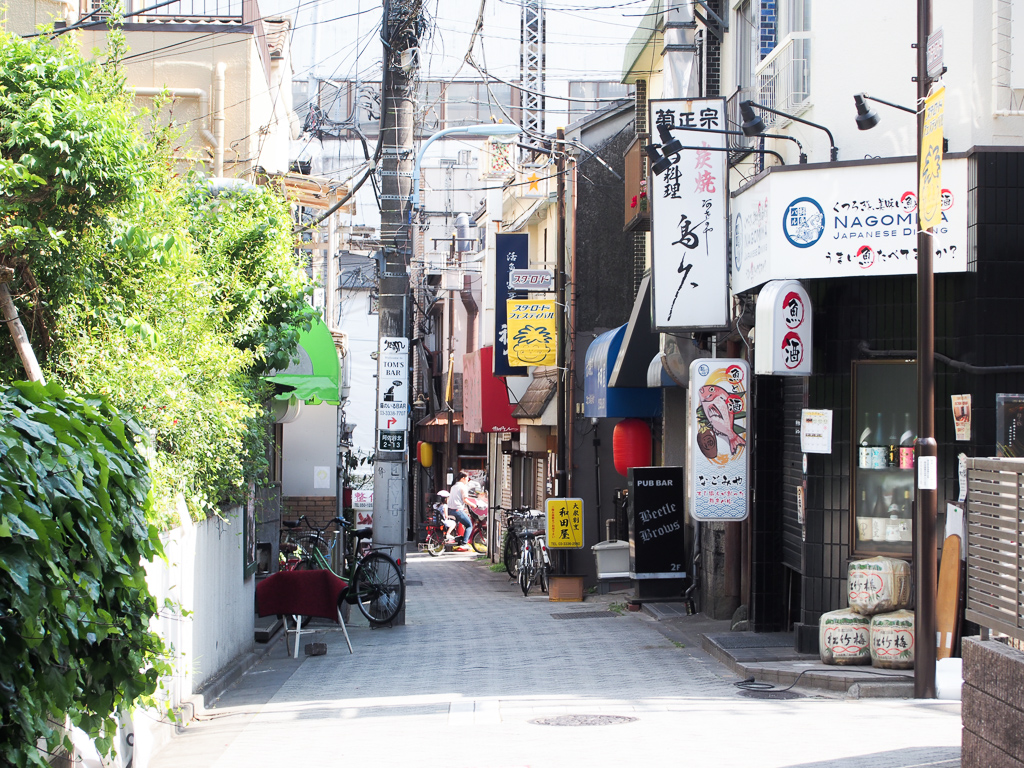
(995,545)
(784,78)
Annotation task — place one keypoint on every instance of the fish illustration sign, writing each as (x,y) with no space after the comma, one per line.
(719,456)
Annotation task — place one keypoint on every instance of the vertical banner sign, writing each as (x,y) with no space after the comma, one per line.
(565,523)
(512,253)
(784,320)
(688,219)
(719,458)
(657,525)
(930,183)
(392,393)
(531,332)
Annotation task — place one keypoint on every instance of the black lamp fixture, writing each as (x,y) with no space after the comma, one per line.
(659,164)
(753,125)
(669,145)
(867,118)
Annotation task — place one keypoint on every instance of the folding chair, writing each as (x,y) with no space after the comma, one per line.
(302,593)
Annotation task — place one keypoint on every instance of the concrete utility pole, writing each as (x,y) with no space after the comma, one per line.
(402,22)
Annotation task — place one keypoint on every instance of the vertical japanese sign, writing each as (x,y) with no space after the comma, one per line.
(784,321)
(565,523)
(531,332)
(930,183)
(688,219)
(718,455)
(512,252)
(392,393)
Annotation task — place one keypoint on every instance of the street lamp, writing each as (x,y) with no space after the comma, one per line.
(668,148)
(660,164)
(753,125)
(867,118)
(476,131)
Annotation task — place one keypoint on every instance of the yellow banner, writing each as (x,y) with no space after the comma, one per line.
(929,204)
(531,333)
(565,523)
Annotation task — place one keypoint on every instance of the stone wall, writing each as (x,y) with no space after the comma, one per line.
(993,705)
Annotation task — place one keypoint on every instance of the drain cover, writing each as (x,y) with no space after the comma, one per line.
(583,720)
(413,583)
(771,695)
(585,615)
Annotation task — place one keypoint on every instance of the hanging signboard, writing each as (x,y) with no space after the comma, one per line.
(392,393)
(855,221)
(688,219)
(657,523)
(718,452)
(784,321)
(512,253)
(531,332)
(930,183)
(531,280)
(565,523)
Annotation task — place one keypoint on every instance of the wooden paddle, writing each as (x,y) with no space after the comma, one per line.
(947,601)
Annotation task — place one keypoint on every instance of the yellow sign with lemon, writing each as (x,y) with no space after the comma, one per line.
(532,338)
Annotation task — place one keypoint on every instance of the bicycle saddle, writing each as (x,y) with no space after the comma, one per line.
(363,533)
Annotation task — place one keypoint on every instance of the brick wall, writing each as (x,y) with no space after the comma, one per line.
(317,509)
(769,27)
(992,705)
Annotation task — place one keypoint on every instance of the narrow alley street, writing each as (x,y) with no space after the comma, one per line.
(467,680)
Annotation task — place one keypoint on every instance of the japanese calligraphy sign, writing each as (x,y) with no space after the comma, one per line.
(859,220)
(930,182)
(392,393)
(657,523)
(719,456)
(531,332)
(565,523)
(512,253)
(688,219)
(784,322)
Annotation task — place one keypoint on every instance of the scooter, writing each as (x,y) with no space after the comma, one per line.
(440,529)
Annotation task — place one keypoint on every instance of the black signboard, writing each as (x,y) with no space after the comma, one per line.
(657,523)
(512,252)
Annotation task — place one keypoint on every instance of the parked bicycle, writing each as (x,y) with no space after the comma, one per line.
(534,563)
(517,522)
(375,582)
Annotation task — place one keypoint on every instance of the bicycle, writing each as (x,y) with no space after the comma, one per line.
(375,582)
(534,563)
(517,521)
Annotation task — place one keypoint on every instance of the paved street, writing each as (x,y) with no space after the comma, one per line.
(477,665)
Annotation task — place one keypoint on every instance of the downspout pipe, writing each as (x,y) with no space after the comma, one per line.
(218,121)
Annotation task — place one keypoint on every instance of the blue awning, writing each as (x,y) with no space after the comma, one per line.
(600,400)
(657,376)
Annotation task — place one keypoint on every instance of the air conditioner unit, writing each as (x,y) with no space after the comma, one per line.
(435,262)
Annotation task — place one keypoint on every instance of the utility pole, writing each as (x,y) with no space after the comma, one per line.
(400,34)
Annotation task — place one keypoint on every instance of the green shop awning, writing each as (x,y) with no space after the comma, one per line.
(316,377)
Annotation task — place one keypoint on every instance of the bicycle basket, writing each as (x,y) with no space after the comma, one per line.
(535,523)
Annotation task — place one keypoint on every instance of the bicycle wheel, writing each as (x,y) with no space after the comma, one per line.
(379,588)
(435,542)
(526,569)
(479,542)
(511,553)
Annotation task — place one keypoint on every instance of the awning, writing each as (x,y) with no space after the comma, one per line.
(657,376)
(434,429)
(524,219)
(485,402)
(535,400)
(638,344)
(601,400)
(315,378)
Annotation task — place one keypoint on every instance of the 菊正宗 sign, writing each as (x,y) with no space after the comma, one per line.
(718,452)
(512,254)
(657,523)
(688,219)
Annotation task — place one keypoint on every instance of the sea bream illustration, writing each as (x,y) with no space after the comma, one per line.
(720,407)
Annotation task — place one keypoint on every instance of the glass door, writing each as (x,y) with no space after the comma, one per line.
(885,427)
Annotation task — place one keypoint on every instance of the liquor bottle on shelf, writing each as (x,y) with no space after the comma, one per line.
(864,449)
(906,517)
(892,525)
(879,459)
(880,514)
(892,447)
(907,444)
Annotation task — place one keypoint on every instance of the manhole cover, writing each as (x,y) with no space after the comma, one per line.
(585,615)
(583,720)
(771,695)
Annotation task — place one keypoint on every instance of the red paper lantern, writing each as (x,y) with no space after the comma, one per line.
(631,445)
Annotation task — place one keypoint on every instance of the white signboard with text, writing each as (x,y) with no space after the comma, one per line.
(392,393)
(843,222)
(688,219)
(784,322)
